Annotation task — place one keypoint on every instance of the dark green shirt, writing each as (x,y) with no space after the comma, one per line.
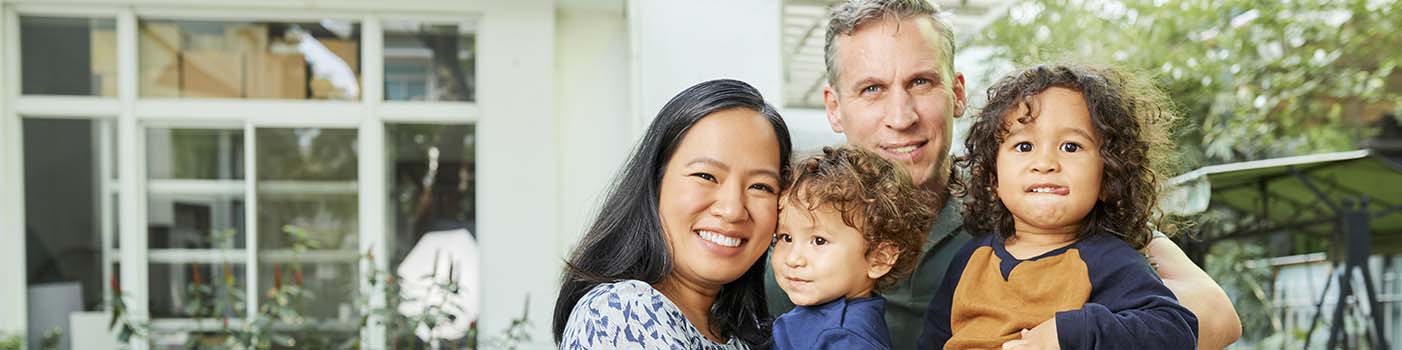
(906,301)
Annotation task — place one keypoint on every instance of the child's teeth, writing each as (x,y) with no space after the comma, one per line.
(719,239)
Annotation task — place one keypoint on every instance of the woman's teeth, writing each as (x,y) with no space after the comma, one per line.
(719,239)
(906,149)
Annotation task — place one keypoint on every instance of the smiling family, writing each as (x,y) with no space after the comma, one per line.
(711,238)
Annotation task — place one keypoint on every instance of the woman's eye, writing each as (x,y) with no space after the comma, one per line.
(705,176)
(1022,147)
(820,241)
(763,187)
(1070,147)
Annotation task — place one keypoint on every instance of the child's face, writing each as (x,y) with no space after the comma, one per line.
(1049,170)
(818,258)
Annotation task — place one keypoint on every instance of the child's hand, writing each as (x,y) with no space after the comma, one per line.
(1042,337)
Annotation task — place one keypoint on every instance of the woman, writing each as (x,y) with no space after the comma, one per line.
(674,259)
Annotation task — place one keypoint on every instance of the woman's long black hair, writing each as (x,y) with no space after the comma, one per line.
(626,240)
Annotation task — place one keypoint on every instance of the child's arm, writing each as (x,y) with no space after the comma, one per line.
(844,339)
(1129,309)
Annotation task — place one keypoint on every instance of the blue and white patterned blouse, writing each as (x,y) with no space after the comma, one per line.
(630,314)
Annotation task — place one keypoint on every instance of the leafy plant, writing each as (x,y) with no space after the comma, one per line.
(11,342)
(51,339)
(1255,79)
(122,323)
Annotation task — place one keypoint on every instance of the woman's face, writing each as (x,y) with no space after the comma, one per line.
(719,197)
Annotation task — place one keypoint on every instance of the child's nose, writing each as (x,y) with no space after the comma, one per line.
(795,258)
(1045,162)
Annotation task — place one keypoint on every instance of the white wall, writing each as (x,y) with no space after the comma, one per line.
(678,43)
(810,130)
(592,74)
(518,166)
(12,270)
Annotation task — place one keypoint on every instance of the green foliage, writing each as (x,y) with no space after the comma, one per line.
(11,342)
(1255,79)
(1247,285)
(51,339)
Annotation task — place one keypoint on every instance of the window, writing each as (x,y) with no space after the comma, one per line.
(235,203)
(430,62)
(256,60)
(69,211)
(68,56)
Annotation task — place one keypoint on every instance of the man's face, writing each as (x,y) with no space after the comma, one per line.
(895,95)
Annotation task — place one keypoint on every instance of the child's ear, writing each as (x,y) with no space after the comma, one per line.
(881,259)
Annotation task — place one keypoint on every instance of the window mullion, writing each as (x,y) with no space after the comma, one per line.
(372,179)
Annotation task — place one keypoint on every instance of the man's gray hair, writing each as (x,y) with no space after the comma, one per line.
(846,16)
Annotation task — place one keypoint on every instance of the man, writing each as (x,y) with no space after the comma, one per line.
(892,89)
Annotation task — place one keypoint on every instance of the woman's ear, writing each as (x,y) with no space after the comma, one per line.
(881,259)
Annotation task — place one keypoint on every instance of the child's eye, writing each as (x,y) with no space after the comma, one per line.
(820,241)
(1022,147)
(1070,147)
(784,237)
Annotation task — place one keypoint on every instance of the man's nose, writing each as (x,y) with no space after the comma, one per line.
(900,113)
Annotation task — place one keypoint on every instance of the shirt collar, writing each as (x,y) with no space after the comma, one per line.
(949,221)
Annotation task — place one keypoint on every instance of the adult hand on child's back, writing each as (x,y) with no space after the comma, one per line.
(1041,337)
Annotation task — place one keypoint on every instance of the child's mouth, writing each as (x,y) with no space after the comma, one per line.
(1049,189)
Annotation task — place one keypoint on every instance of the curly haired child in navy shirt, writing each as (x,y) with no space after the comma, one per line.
(1063,168)
(850,224)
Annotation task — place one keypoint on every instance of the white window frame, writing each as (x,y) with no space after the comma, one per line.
(133,114)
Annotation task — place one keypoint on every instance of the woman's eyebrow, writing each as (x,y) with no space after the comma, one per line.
(709,161)
(764,172)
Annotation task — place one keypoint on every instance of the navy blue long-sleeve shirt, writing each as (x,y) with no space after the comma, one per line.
(855,324)
(1101,291)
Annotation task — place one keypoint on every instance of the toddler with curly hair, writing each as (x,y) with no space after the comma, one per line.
(1063,165)
(850,225)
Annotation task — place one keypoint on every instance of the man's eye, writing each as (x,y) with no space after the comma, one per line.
(1070,147)
(1022,147)
(921,81)
(820,241)
(871,89)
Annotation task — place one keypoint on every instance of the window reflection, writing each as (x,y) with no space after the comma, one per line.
(256,60)
(430,62)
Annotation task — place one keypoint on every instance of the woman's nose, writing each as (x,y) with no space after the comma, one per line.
(729,205)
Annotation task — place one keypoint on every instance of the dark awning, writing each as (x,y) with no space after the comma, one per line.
(1299,194)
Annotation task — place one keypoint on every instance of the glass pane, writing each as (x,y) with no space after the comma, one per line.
(64,188)
(195,210)
(68,56)
(308,218)
(261,60)
(194,153)
(432,199)
(430,62)
(204,291)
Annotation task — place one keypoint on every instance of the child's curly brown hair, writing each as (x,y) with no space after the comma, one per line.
(877,198)
(1130,115)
